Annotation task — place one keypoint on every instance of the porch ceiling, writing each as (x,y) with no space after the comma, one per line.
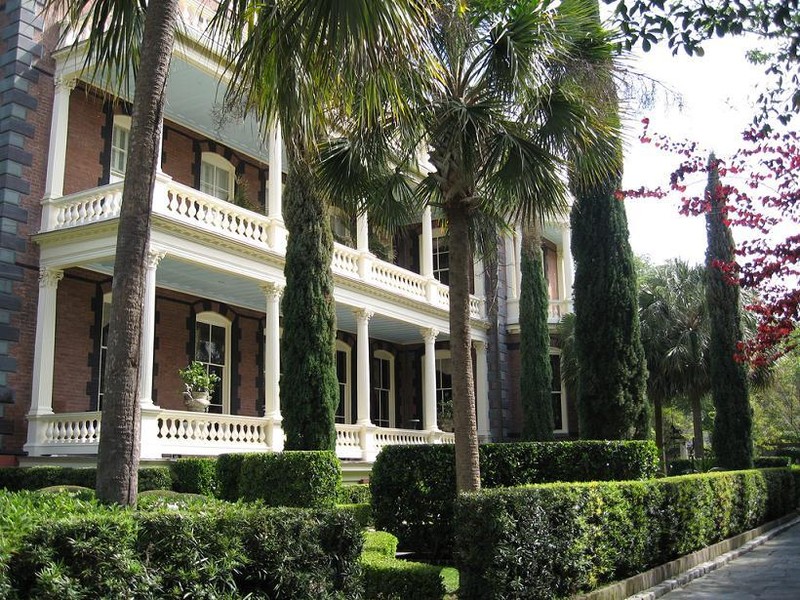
(198,280)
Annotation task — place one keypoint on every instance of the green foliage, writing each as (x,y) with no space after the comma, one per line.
(386,578)
(683,466)
(33,478)
(776,406)
(733,420)
(195,476)
(612,366)
(413,487)
(358,493)
(197,376)
(309,388)
(535,371)
(229,468)
(55,546)
(556,540)
(362,513)
(308,479)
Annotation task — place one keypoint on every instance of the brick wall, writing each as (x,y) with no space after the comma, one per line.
(86,154)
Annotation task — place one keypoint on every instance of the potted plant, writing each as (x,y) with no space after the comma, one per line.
(199,385)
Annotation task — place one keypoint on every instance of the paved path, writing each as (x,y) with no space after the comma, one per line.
(769,572)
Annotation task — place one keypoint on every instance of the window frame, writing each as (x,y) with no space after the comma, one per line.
(215,319)
(342,346)
(380,355)
(218,162)
(121,123)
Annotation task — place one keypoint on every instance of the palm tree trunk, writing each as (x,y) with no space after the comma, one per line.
(120,441)
(468,475)
(697,420)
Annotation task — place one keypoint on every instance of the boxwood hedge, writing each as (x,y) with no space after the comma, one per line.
(413,487)
(555,540)
(387,578)
(15,479)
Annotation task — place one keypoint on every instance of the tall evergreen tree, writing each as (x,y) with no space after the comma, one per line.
(733,422)
(535,372)
(612,401)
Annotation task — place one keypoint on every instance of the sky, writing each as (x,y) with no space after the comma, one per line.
(715,102)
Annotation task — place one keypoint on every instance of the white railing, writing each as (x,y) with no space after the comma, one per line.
(198,210)
(175,432)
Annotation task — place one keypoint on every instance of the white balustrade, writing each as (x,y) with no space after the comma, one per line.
(348,441)
(344,261)
(391,277)
(90,206)
(183,432)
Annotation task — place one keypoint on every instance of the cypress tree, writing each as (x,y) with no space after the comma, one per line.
(535,372)
(309,392)
(612,401)
(733,421)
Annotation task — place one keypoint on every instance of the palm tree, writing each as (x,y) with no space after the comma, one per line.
(493,117)
(675,335)
(125,37)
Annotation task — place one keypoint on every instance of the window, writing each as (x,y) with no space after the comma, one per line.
(341,227)
(382,373)
(212,336)
(441,260)
(216,176)
(343,376)
(120,140)
(557,394)
(101,362)
(444,390)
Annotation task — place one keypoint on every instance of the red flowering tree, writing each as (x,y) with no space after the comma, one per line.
(761,192)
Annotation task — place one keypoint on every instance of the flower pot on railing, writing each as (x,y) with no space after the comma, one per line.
(199,385)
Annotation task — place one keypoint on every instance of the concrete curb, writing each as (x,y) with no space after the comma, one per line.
(660,580)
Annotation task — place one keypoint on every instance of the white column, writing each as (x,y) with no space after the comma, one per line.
(362,245)
(482,389)
(148,329)
(44,350)
(518,259)
(272,365)
(277,237)
(57,151)
(429,382)
(363,315)
(566,266)
(426,247)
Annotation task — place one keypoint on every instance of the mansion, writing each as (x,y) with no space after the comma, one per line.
(215,274)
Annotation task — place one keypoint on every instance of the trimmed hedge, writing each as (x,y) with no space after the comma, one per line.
(212,551)
(357,493)
(684,466)
(386,578)
(308,479)
(414,489)
(229,468)
(15,479)
(195,476)
(555,540)
(362,513)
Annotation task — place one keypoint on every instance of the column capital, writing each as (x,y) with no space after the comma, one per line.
(49,277)
(154,256)
(363,314)
(429,334)
(272,289)
(480,345)
(65,82)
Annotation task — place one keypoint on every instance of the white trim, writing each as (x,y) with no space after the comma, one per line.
(342,346)
(387,356)
(218,163)
(217,320)
(122,123)
(103,349)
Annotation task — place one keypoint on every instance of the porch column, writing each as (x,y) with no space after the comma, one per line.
(566,266)
(57,151)
(518,259)
(429,382)
(44,350)
(148,329)
(277,235)
(363,315)
(272,363)
(426,255)
(362,245)
(482,389)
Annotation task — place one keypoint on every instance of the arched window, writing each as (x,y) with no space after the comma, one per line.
(120,140)
(382,374)
(212,342)
(444,390)
(217,176)
(343,371)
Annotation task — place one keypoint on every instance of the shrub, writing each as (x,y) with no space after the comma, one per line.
(386,578)
(229,467)
(684,466)
(556,540)
(413,487)
(771,462)
(195,476)
(357,493)
(362,513)
(301,479)
(215,550)
(15,479)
